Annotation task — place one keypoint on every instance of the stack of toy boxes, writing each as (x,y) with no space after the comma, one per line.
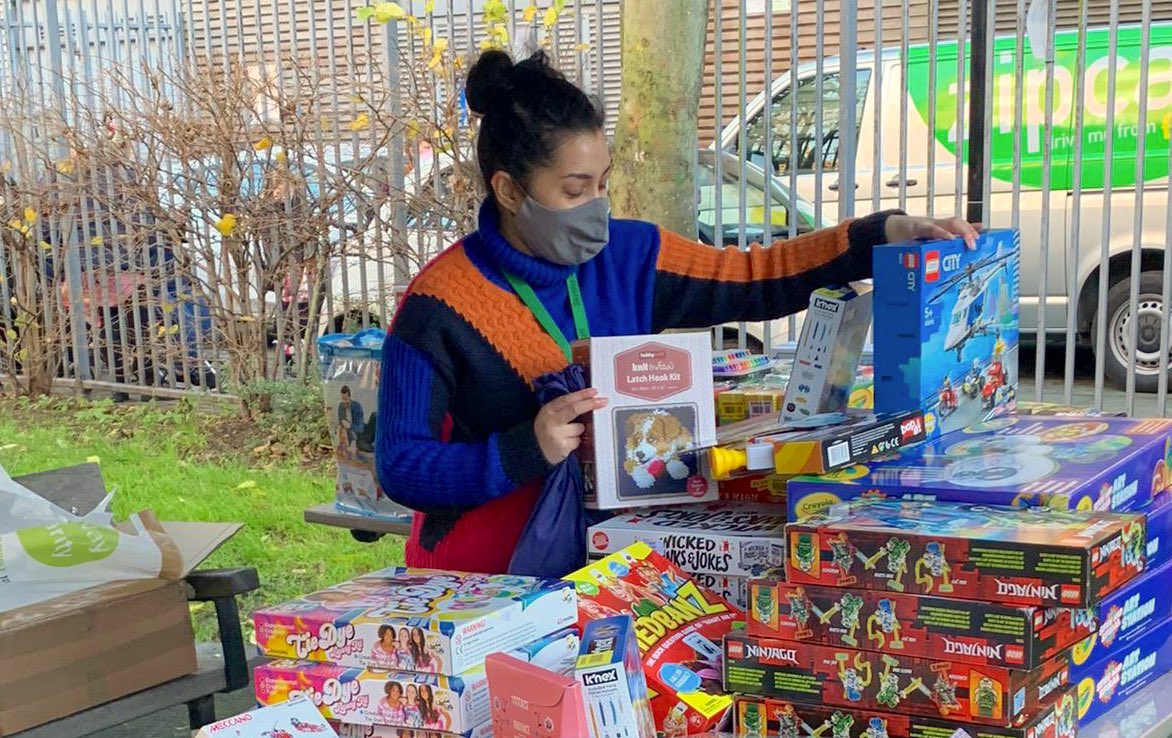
(721,544)
(921,616)
(402,649)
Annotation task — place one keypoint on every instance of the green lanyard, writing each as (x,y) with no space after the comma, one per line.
(529,297)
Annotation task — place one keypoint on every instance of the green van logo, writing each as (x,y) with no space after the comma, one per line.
(1092,94)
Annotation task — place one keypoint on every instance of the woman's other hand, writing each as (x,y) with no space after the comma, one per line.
(901,228)
(558,431)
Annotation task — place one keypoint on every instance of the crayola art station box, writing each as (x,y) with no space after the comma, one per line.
(1109,680)
(416,620)
(640,450)
(964,631)
(1029,556)
(679,628)
(946,329)
(1108,464)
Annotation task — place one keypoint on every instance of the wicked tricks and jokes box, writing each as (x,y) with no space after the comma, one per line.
(1030,556)
(762,716)
(679,627)
(728,538)
(1114,464)
(946,328)
(806,672)
(966,631)
(416,620)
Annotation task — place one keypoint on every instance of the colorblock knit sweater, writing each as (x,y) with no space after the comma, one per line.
(456,406)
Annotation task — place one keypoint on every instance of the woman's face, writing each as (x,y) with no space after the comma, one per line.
(396,693)
(578,174)
(412,694)
(404,637)
(388,638)
(417,637)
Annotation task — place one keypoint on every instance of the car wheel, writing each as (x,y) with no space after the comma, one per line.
(1150,311)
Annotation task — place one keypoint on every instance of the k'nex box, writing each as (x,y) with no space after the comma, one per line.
(1108,681)
(946,328)
(762,716)
(1108,464)
(966,631)
(1030,556)
(891,682)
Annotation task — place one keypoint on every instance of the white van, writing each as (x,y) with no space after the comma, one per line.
(883,175)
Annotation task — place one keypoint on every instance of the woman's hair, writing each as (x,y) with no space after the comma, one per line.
(427,704)
(391,687)
(527,110)
(418,645)
(384,629)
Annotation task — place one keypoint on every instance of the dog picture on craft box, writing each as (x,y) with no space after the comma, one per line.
(650,445)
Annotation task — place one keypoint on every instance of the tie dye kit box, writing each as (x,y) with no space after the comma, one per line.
(946,329)
(639,450)
(1109,464)
(723,538)
(1029,556)
(416,620)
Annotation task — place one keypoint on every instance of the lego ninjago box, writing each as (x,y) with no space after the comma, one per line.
(960,630)
(679,627)
(761,716)
(893,682)
(1031,556)
(946,329)
(1109,464)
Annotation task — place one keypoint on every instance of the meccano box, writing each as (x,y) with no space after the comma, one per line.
(1029,556)
(761,716)
(828,351)
(1109,464)
(946,328)
(679,627)
(733,590)
(610,671)
(417,620)
(965,631)
(297,717)
(350,730)
(639,449)
(1126,615)
(394,699)
(729,538)
(894,682)
(1109,681)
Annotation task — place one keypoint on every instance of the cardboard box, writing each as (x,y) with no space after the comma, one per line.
(363,697)
(1159,526)
(1109,464)
(611,674)
(891,682)
(965,631)
(556,652)
(742,403)
(678,626)
(760,716)
(828,352)
(814,445)
(766,489)
(733,590)
(1126,615)
(727,538)
(350,730)
(1037,557)
(1110,680)
(946,329)
(350,366)
(51,663)
(460,617)
(660,406)
(529,701)
(297,717)
(1026,407)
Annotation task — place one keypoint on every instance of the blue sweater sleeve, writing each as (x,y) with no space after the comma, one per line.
(416,466)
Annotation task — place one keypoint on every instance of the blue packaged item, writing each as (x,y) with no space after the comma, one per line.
(1126,615)
(556,652)
(1159,529)
(1108,681)
(1105,464)
(946,329)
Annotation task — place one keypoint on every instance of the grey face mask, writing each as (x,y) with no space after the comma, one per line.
(568,237)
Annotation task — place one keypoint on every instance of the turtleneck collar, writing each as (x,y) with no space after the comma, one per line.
(537,272)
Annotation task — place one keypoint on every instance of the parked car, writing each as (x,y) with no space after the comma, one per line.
(884,174)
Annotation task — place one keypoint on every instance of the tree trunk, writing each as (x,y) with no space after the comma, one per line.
(656,132)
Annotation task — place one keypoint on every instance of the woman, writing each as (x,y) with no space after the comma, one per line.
(414,718)
(382,653)
(432,718)
(464,442)
(420,652)
(391,709)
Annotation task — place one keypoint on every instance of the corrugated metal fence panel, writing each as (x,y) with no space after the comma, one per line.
(1067,14)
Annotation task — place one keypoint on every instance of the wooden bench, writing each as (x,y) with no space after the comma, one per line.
(222,667)
(364,529)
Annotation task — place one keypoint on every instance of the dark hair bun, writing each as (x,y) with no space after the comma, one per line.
(490,81)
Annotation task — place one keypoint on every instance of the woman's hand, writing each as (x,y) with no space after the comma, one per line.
(558,431)
(901,228)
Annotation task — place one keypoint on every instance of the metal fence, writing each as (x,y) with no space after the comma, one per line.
(812,110)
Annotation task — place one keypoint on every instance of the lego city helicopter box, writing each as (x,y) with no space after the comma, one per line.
(891,681)
(946,329)
(1106,464)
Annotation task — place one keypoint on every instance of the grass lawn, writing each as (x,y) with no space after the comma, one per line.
(203,465)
